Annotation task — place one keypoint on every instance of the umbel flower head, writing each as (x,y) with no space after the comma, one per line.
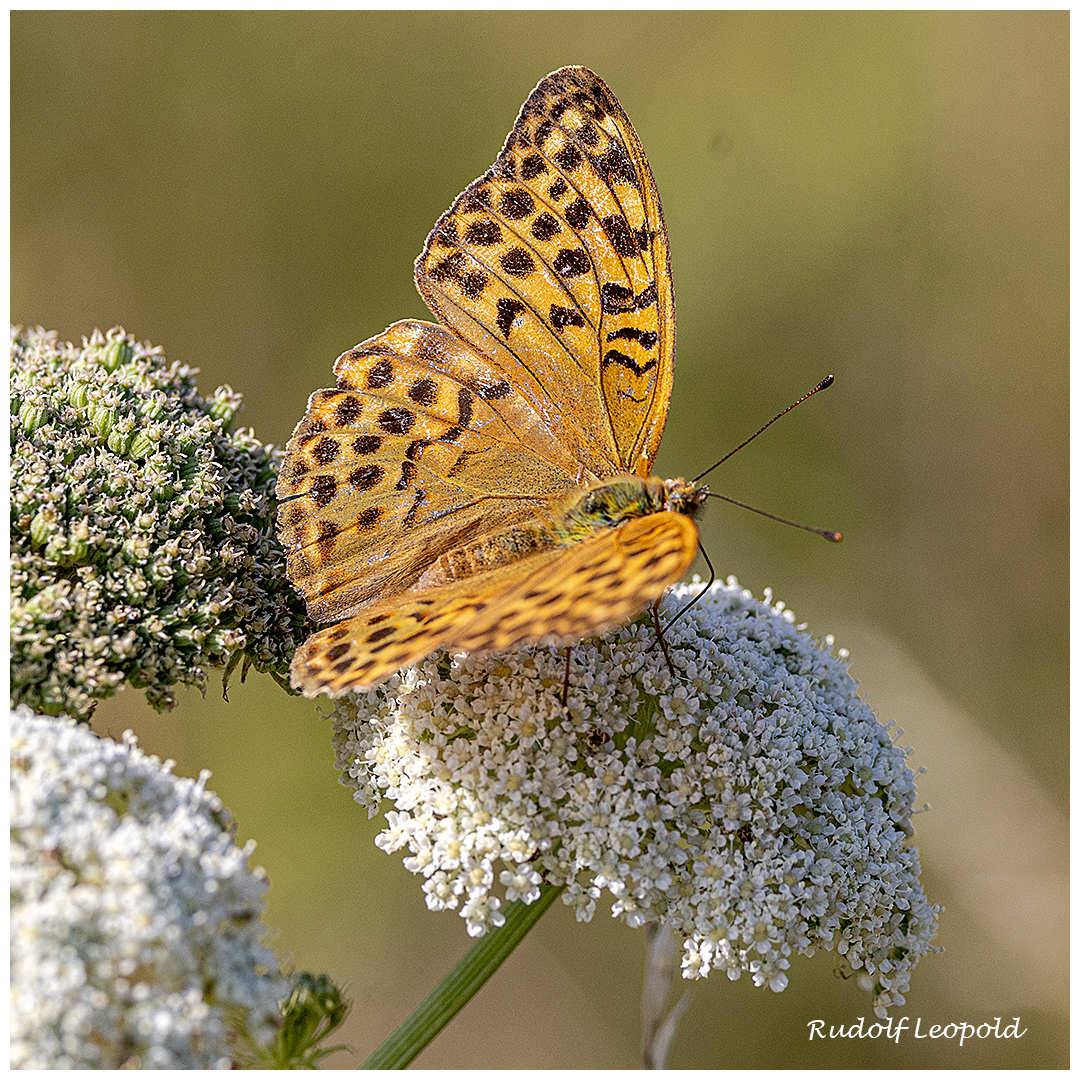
(142,533)
(754,804)
(135,918)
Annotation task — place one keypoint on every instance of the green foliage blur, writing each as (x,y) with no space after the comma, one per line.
(880,195)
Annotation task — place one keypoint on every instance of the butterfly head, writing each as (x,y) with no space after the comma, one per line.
(683,496)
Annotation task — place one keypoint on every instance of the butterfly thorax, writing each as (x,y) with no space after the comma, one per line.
(604,505)
(617,499)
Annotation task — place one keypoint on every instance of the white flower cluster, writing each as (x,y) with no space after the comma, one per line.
(754,804)
(134,916)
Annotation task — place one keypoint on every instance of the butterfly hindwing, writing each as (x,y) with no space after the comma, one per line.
(422,446)
(583,588)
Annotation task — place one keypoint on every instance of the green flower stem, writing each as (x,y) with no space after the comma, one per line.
(472,971)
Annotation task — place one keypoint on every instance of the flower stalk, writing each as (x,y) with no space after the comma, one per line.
(660,1015)
(458,988)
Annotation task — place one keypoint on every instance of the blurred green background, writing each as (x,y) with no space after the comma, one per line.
(879,195)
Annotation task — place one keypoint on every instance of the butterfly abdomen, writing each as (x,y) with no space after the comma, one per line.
(491,552)
(602,506)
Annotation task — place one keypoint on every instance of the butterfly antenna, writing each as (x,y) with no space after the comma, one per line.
(829,534)
(827,381)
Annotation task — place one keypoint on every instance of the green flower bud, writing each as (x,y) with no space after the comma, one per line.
(115,354)
(119,441)
(32,417)
(152,405)
(101,419)
(42,526)
(142,445)
(79,395)
(224,408)
(170,506)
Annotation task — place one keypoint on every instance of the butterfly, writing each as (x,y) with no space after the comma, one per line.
(485,482)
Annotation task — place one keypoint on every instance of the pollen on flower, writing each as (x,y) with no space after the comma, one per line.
(752,806)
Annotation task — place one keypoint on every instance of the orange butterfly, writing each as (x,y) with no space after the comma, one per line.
(485,482)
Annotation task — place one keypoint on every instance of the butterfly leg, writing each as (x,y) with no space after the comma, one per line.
(566,678)
(660,637)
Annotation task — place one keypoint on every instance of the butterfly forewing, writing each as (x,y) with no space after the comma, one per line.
(395,632)
(555,264)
